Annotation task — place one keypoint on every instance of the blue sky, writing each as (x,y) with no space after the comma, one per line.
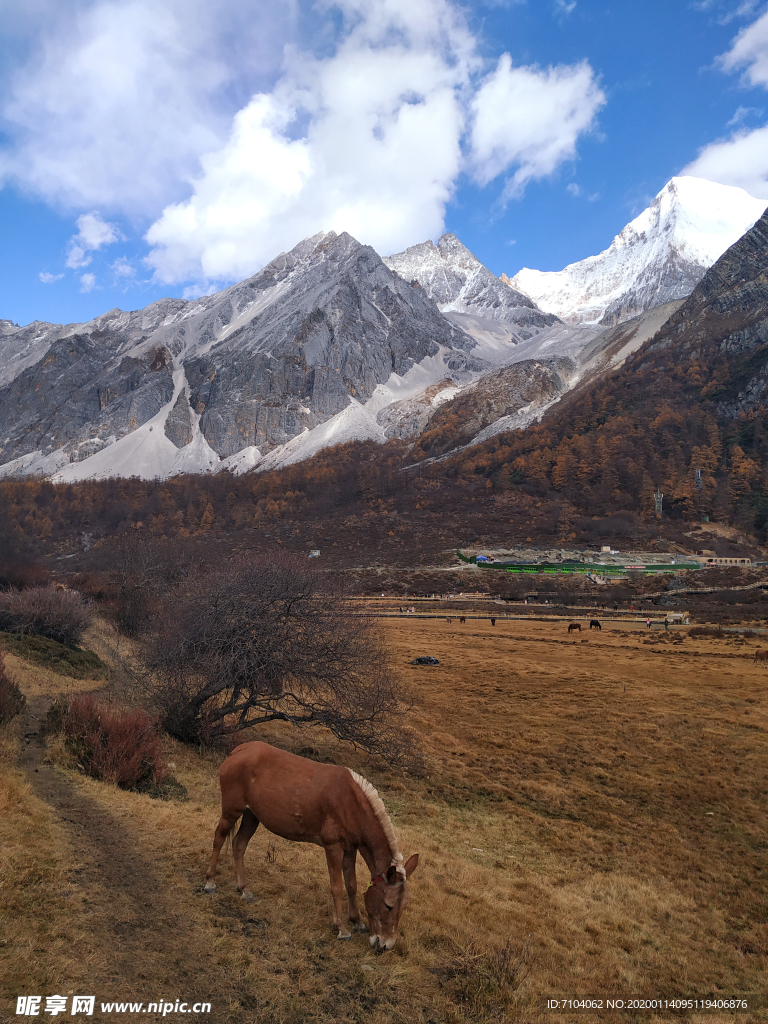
(173,146)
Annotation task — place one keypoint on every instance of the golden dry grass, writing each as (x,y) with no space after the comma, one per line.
(592,822)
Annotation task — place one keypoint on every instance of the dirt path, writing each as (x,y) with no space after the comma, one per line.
(140,943)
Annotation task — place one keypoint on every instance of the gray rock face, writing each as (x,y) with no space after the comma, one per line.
(79,395)
(495,398)
(458,282)
(410,416)
(281,351)
(344,325)
(178,424)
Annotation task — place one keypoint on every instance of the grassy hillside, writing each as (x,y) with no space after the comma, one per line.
(592,822)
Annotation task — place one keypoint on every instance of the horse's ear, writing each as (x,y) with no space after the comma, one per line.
(411,864)
(392,875)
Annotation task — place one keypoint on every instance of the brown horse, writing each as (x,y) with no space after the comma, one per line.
(760,656)
(574,626)
(325,804)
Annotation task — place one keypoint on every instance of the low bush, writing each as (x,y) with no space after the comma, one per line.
(62,615)
(55,657)
(707,631)
(12,700)
(111,744)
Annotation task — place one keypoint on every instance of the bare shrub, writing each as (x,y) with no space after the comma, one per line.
(714,632)
(140,572)
(12,700)
(112,744)
(62,615)
(257,641)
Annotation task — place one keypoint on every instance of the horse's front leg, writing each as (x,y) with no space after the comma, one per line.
(334,856)
(350,881)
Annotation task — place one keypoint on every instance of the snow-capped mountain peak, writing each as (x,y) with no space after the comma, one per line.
(659,256)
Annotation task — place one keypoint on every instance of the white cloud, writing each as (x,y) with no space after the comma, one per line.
(574,189)
(564,6)
(386,116)
(530,119)
(47,278)
(92,234)
(212,119)
(741,114)
(741,160)
(87,282)
(749,51)
(115,102)
(731,11)
(379,156)
(122,268)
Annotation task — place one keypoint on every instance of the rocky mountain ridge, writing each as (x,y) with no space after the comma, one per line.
(719,335)
(328,343)
(459,283)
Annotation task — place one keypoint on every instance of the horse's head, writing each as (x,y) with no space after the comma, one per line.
(385,900)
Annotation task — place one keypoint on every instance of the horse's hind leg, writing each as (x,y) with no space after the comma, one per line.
(248,826)
(226,824)
(350,881)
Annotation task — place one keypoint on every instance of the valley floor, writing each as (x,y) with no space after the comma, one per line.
(591,823)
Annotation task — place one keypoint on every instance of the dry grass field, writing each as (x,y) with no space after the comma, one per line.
(592,822)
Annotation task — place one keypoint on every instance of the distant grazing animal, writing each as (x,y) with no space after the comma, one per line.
(574,626)
(594,624)
(463,619)
(761,656)
(493,622)
(326,804)
(448,620)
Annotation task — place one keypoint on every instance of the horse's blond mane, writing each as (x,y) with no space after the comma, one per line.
(378,808)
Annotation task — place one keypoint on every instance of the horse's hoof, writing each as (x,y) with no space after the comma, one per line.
(248,897)
(209,887)
(346,937)
(360,927)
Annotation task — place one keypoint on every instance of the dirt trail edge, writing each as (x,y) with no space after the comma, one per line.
(141,946)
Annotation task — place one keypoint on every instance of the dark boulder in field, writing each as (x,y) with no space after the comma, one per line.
(425,659)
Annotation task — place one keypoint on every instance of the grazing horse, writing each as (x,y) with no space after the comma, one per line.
(594,624)
(448,620)
(493,622)
(463,619)
(574,626)
(761,656)
(325,804)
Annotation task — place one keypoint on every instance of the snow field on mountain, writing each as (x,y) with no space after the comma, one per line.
(687,227)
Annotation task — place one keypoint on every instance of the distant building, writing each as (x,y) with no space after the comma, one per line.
(710,558)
